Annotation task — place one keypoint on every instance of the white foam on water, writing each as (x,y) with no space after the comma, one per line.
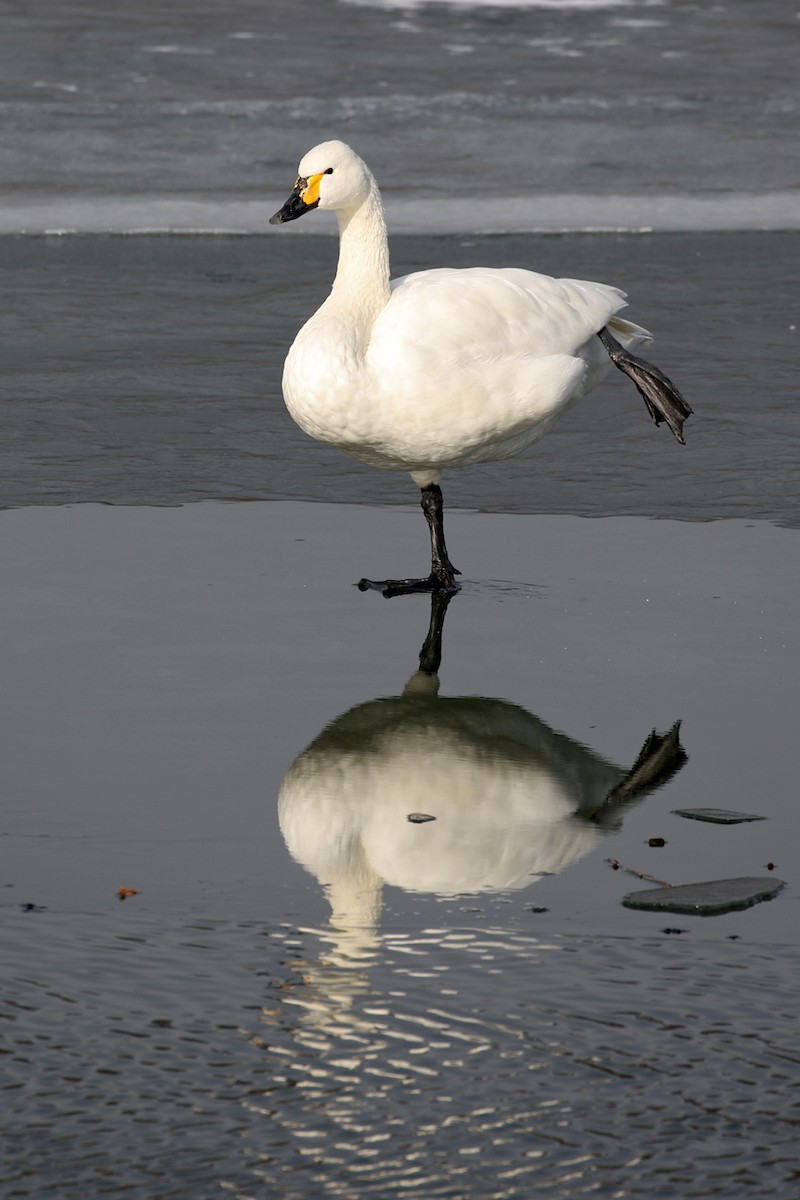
(465,5)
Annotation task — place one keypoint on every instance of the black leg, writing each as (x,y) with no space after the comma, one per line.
(433,508)
(443,573)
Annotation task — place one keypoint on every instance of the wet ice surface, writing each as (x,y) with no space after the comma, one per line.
(298,1006)
(266,1021)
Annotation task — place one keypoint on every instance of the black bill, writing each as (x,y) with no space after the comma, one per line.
(295,206)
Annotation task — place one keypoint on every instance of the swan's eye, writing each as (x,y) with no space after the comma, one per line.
(328,172)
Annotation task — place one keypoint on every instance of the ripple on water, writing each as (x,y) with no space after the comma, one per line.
(267,1060)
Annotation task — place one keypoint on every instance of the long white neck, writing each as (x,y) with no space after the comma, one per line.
(361,286)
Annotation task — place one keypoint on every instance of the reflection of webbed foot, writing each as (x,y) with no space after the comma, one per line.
(441,581)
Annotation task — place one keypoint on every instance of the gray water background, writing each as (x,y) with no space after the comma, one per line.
(166,657)
(499,117)
(147,370)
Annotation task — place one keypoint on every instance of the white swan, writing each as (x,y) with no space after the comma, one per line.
(444,368)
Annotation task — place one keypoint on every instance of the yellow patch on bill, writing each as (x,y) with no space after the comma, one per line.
(310,194)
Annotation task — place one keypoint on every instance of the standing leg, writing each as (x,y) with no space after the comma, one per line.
(443,573)
(441,567)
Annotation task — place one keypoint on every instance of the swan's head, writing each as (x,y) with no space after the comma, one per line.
(329,176)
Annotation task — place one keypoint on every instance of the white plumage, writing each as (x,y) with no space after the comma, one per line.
(442,368)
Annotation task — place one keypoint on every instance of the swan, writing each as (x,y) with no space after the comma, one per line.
(444,368)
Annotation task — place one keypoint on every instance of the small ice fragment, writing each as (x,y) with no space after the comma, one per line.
(720,816)
(706,899)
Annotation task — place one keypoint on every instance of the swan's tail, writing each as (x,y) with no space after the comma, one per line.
(664,401)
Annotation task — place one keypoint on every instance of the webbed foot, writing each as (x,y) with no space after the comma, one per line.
(443,574)
(443,582)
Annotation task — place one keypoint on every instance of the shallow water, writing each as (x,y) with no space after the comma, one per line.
(259,1059)
(285,1007)
(147,370)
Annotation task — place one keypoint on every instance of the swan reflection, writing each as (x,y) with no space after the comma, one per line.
(512,799)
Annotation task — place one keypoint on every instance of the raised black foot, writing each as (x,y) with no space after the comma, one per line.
(444,583)
(664,401)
